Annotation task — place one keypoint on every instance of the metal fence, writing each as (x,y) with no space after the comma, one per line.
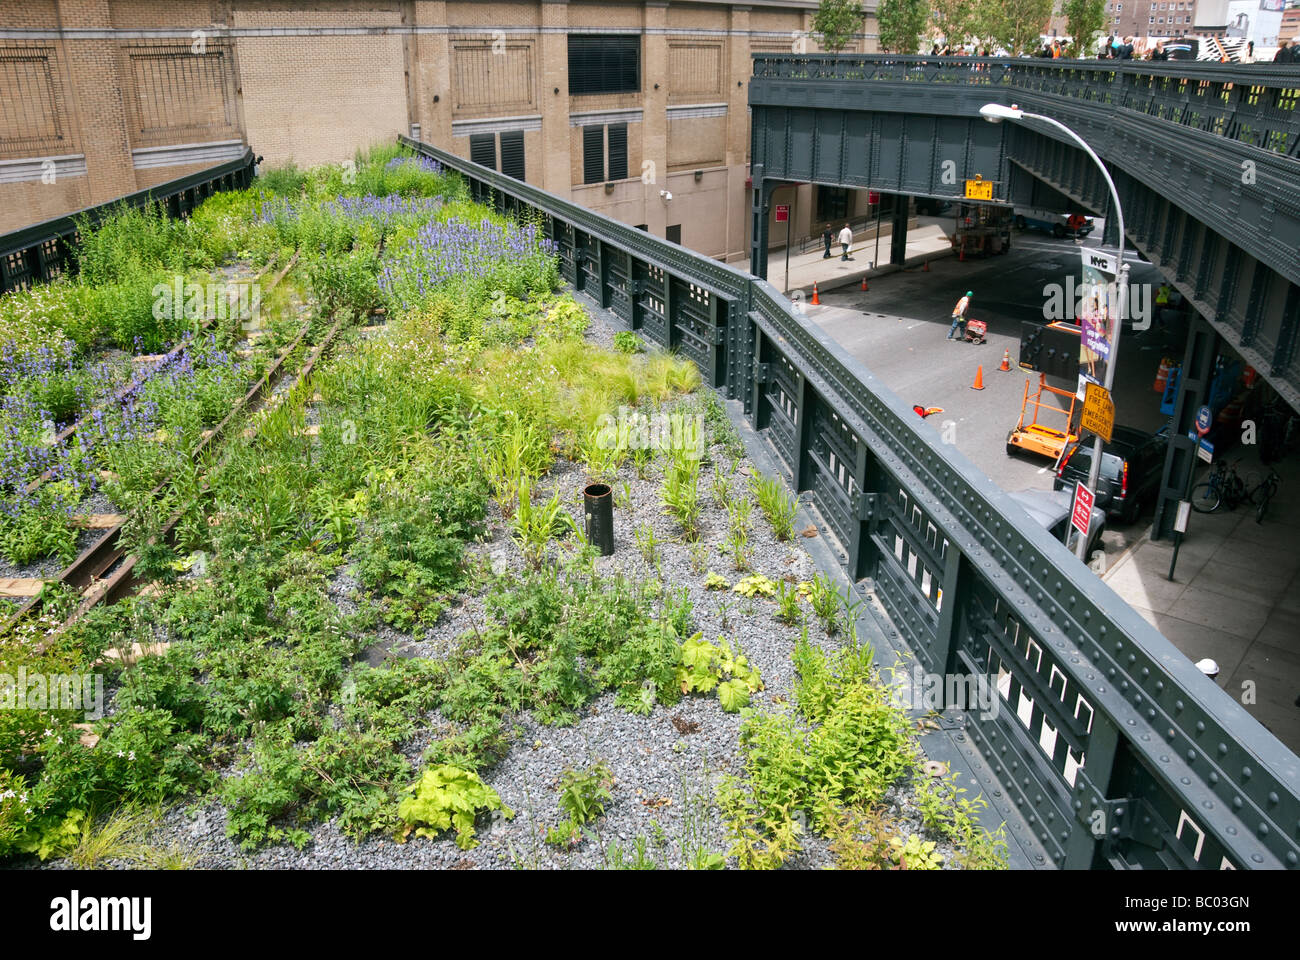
(39,253)
(1113,747)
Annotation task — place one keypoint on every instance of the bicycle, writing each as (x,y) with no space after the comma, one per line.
(1223,488)
(1263,492)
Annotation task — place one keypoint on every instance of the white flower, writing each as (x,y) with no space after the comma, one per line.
(49,732)
(131,756)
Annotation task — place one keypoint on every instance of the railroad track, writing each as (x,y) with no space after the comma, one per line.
(104,573)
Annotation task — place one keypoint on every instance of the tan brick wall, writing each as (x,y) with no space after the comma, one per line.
(33,201)
(317,99)
(29,14)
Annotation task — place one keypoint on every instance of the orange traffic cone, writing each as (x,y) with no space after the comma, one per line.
(864,282)
(926,268)
(979,379)
(1006,360)
(816,299)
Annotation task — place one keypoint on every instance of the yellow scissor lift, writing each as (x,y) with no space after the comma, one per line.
(1039,438)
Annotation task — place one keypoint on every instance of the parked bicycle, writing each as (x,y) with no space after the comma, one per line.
(1226,488)
(1263,493)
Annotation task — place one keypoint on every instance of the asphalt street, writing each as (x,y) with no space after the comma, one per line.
(897,328)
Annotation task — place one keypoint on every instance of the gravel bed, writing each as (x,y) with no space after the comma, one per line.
(666,765)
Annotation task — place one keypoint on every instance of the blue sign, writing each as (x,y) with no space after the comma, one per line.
(1204,420)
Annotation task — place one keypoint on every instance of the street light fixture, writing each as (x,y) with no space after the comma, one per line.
(996,113)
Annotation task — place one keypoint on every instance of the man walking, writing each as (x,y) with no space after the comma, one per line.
(959,317)
(846,241)
(828,236)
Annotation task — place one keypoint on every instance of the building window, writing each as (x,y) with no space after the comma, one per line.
(512,154)
(617,135)
(483,150)
(604,63)
(594,138)
(593,154)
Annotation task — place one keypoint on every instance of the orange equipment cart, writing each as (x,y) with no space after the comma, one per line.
(1035,437)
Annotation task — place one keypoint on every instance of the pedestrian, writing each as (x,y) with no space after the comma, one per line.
(1160,53)
(959,317)
(1075,222)
(1126,51)
(1248,55)
(846,241)
(828,235)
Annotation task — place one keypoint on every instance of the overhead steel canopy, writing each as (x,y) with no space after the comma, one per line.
(1206,158)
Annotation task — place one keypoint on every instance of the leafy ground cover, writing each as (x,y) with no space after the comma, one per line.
(378,635)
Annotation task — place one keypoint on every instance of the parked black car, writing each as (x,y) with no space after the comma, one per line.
(1130,470)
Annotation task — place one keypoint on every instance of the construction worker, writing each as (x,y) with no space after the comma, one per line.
(959,317)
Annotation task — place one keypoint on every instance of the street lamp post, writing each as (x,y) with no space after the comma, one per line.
(995,113)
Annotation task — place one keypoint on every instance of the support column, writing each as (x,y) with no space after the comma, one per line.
(431,76)
(736,93)
(553,61)
(1180,457)
(898,239)
(762,199)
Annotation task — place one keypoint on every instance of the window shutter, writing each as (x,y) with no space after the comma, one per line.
(483,149)
(512,154)
(593,154)
(618,151)
(604,63)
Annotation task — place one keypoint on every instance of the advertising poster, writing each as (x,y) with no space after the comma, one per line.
(1098,308)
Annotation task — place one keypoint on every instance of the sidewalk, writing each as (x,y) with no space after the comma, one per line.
(1235,597)
(923,243)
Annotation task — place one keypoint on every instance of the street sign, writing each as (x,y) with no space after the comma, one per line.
(978,189)
(1204,449)
(873,197)
(1098,411)
(1081,518)
(783,213)
(1204,420)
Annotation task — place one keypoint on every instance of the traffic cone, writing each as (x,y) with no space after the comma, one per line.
(979,379)
(816,300)
(1006,360)
(926,268)
(864,282)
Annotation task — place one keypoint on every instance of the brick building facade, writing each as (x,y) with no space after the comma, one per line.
(99,98)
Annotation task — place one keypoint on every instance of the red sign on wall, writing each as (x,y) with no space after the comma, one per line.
(873,197)
(1082,515)
(782,212)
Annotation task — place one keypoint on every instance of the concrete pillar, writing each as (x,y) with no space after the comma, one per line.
(736,94)
(553,62)
(898,240)
(431,76)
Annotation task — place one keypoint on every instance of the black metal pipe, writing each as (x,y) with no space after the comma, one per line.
(598,509)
